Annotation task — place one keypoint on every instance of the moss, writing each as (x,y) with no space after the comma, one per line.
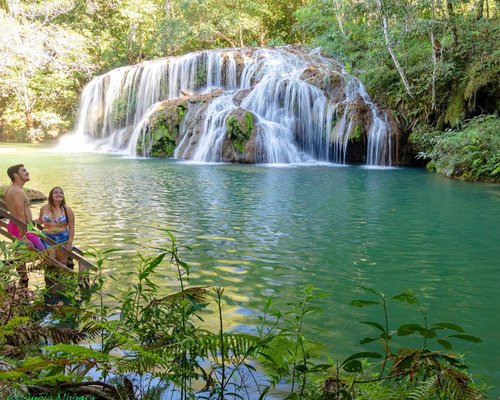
(431,166)
(163,144)
(121,105)
(456,108)
(160,139)
(201,76)
(356,133)
(249,122)
(237,133)
(181,111)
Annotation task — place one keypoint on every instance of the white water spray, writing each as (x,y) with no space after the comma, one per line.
(295,120)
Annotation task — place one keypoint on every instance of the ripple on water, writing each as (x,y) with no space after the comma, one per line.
(263,231)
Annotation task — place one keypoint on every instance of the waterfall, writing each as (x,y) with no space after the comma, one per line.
(297,114)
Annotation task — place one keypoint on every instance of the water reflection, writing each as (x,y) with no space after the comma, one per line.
(262,231)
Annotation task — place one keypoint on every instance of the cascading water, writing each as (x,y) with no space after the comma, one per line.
(296,113)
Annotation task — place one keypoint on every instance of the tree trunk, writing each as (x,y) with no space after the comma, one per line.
(338,15)
(25,98)
(453,22)
(434,69)
(167,8)
(242,43)
(480,9)
(435,48)
(391,51)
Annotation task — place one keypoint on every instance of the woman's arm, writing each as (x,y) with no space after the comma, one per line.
(40,215)
(71,227)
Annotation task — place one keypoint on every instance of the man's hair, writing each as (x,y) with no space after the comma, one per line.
(14,170)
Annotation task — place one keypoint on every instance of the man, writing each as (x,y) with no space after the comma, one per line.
(19,206)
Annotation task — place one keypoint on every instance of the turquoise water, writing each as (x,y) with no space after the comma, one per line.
(262,231)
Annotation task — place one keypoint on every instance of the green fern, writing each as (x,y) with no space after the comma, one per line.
(425,391)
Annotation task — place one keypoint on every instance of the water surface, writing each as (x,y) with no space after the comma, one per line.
(262,231)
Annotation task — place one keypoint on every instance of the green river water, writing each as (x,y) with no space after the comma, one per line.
(261,231)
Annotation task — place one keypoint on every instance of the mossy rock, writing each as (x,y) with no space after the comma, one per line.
(239,129)
(356,134)
(456,108)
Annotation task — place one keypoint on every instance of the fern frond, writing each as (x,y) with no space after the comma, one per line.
(457,385)
(448,383)
(425,391)
(24,335)
(196,294)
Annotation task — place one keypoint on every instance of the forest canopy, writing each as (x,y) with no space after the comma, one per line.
(433,62)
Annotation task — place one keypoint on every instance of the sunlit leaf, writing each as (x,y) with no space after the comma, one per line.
(353,366)
(363,303)
(407,297)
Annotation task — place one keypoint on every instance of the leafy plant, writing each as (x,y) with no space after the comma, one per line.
(431,371)
(469,151)
(160,338)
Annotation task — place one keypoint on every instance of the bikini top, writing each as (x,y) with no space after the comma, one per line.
(61,219)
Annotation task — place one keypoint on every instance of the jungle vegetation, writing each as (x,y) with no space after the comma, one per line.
(434,63)
(146,341)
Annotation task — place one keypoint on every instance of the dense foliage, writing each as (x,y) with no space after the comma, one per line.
(434,63)
(148,343)
(469,151)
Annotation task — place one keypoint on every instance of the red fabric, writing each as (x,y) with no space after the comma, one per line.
(13,229)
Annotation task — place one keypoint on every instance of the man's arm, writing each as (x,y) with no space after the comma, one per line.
(27,210)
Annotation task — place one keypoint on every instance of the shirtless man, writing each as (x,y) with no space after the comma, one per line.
(19,206)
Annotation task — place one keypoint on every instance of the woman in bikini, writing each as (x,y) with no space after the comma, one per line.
(58,221)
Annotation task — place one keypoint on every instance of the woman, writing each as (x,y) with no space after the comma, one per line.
(58,221)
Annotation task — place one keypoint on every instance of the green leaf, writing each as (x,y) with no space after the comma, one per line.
(12,375)
(367,340)
(448,325)
(453,361)
(406,362)
(264,393)
(363,354)
(353,366)
(407,297)
(409,329)
(445,343)
(374,324)
(302,368)
(320,367)
(363,303)
(370,290)
(468,338)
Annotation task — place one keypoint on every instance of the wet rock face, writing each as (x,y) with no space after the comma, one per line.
(257,105)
